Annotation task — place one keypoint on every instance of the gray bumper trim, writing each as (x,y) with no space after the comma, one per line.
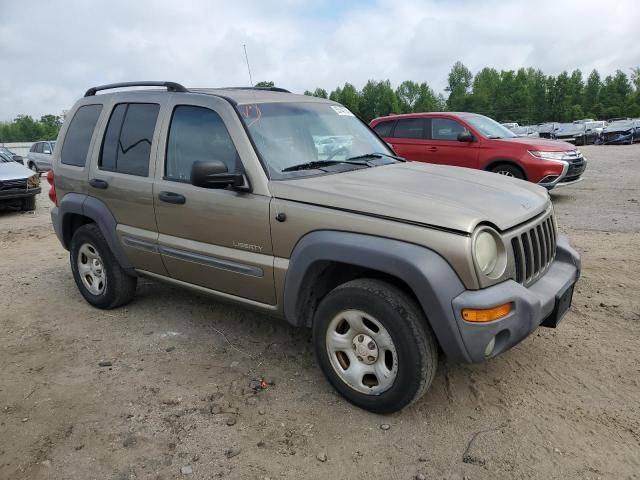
(532,305)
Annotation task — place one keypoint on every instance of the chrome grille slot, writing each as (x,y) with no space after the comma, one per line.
(534,248)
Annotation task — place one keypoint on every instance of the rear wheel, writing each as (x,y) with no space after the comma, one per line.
(508,170)
(29,203)
(374,345)
(99,277)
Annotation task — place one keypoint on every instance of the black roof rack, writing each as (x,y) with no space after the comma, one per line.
(170,86)
(266,89)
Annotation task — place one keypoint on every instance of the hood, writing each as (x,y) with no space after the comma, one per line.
(442,196)
(14,171)
(618,127)
(539,144)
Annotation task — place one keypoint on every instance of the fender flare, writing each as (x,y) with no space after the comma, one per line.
(96,210)
(432,280)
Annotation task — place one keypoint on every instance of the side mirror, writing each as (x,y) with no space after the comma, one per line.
(214,174)
(465,137)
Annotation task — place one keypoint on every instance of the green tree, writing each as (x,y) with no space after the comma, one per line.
(408,93)
(459,83)
(591,95)
(265,84)
(378,99)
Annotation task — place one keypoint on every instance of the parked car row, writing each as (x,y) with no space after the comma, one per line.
(583,132)
(475,141)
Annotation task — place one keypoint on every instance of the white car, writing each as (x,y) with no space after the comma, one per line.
(18,185)
(40,156)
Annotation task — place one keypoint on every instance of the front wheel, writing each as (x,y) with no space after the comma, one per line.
(374,345)
(99,277)
(508,171)
(33,167)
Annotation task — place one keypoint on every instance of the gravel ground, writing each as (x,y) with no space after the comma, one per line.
(178,399)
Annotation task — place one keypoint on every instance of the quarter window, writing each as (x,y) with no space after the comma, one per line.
(76,142)
(197,134)
(127,142)
(446,129)
(384,129)
(39,147)
(409,128)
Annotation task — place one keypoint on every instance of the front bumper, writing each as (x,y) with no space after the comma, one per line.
(571,173)
(13,194)
(533,306)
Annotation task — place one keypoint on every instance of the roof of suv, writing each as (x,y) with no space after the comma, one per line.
(236,95)
(425,115)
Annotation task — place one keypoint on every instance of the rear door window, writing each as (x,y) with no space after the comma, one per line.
(127,142)
(409,128)
(39,147)
(78,138)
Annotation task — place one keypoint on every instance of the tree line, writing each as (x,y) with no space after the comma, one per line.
(527,95)
(524,96)
(25,129)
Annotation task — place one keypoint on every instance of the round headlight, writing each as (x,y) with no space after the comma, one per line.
(486,252)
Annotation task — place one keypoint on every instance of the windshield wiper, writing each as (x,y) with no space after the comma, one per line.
(494,137)
(375,155)
(322,163)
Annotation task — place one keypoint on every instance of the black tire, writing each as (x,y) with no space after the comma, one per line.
(119,288)
(33,167)
(29,204)
(508,170)
(416,347)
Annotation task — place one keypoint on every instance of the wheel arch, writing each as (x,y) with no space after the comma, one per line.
(76,210)
(323,260)
(506,161)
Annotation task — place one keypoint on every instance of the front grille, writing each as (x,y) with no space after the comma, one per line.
(13,184)
(534,250)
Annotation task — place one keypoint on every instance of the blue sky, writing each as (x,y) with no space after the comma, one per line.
(50,52)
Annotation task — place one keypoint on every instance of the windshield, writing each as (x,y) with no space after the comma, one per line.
(4,158)
(292,134)
(488,127)
(620,124)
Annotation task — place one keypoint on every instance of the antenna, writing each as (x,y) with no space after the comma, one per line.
(246,57)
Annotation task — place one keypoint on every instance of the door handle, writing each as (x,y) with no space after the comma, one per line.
(433,149)
(98,183)
(171,197)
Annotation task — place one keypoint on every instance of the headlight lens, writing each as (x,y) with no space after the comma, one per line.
(485,251)
(548,155)
(33,181)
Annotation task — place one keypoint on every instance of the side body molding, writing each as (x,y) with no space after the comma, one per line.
(430,277)
(96,210)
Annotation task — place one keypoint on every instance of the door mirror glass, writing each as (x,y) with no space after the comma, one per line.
(465,137)
(214,174)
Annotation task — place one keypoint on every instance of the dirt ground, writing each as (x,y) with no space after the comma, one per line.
(178,402)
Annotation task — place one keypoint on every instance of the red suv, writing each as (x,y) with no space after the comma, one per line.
(475,141)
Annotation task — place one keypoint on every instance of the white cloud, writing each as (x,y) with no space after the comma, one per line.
(50,52)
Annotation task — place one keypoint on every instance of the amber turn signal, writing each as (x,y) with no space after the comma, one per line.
(488,314)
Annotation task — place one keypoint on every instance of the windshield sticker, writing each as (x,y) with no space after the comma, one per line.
(342,110)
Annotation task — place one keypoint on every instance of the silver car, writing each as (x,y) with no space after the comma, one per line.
(39,158)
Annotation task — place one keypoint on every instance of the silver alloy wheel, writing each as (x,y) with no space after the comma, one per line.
(91,269)
(362,352)
(506,173)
